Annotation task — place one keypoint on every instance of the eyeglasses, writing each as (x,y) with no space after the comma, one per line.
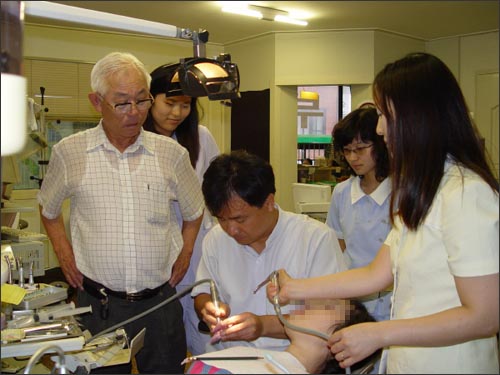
(357,151)
(124,108)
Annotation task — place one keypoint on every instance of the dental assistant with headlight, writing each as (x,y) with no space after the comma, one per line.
(121,181)
(442,254)
(176,115)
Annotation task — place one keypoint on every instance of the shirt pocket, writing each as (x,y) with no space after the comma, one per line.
(159,197)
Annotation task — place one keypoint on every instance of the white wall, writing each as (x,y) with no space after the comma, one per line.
(256,61)
(470,57)
(320,58)
(466,56)
(85,45)
(478,53)
(448,50)
(389,47)
(281,62)
(360,94)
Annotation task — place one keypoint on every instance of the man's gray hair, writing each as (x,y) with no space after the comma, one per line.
(112,63)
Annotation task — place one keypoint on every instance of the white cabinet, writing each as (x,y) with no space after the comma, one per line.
(27,198)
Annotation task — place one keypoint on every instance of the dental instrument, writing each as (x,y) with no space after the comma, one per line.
(274,278)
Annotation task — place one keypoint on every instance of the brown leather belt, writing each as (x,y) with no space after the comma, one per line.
(94,289)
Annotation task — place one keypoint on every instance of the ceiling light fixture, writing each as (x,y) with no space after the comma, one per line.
(243,11)
(264,13)
(291,20)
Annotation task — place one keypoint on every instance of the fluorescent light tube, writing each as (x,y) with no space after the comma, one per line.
(281,18)
(242,11)
(47,9)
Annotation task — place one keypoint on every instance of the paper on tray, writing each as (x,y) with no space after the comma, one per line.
(12,294)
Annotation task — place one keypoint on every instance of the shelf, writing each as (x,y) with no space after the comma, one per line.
(11,210)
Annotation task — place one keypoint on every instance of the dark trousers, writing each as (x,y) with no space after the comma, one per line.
(165,341)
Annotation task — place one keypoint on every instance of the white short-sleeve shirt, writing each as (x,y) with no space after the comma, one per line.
(459,237)
(123,228)
(303,246)
(362,221)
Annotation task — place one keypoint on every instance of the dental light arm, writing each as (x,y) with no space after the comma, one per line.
(199,76)
(46,9)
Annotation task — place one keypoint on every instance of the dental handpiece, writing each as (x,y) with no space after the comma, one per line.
(7,259)
(215,298)
(275,280)
(277,308)
(20,270)
(31,281)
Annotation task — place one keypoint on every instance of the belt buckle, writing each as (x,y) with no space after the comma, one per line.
(133,297)
(143,294)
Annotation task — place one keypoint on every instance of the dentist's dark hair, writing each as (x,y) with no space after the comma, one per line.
(237,173)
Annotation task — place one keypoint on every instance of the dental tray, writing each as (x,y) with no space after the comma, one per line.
(44,295)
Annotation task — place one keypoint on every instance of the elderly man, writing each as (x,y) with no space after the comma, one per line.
(127,251)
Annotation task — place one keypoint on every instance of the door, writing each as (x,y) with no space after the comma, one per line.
(486,115)
(250,123)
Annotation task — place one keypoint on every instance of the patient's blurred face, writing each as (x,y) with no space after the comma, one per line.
(319,315)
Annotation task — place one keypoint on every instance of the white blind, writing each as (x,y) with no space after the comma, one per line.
(85,109)
(60,80)
(67,85)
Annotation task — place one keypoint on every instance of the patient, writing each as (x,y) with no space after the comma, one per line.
(306,353)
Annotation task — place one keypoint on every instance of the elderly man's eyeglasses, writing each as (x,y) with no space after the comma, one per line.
(124,108)
(356,151)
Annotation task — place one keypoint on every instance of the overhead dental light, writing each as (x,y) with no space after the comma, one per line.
(263,13)
(218,79)
(199,76)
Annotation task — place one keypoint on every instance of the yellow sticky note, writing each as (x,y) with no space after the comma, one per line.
(12,294)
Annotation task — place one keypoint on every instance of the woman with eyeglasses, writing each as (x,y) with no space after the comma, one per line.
(175,115)
(442,254)
(359,209)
